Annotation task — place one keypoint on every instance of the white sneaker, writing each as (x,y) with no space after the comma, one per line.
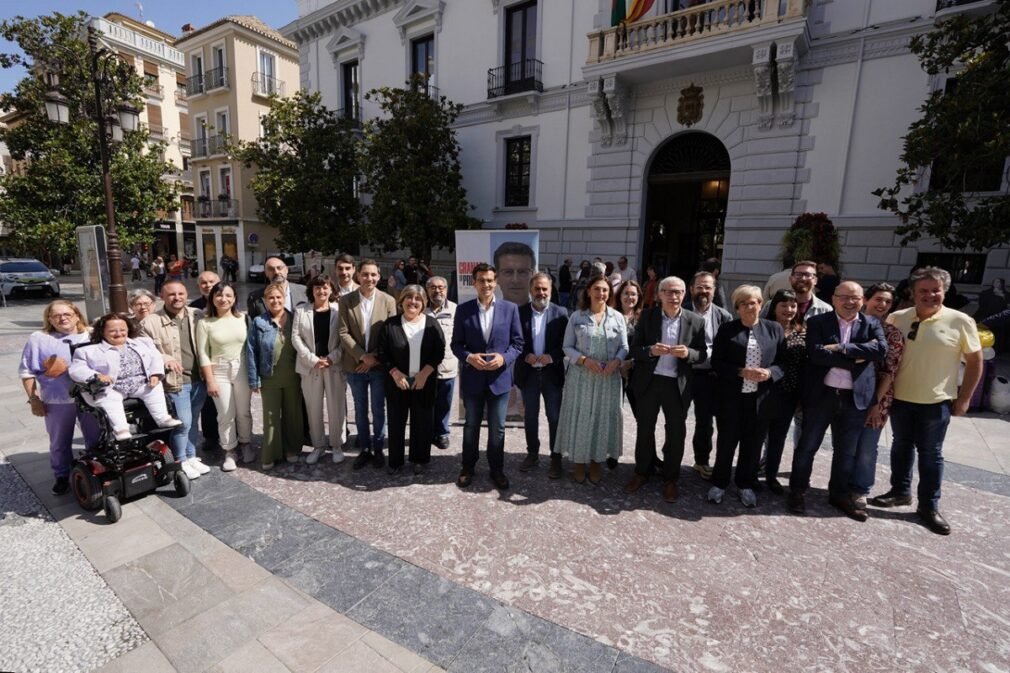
(229,461)
(189,470)
(314,456)
(169,422)
(338,456)
(198,465)
(715,494)
(248,452)
(748,497)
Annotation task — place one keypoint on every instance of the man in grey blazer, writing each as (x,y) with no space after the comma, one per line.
(272,268)
(703,381)
(668,342)
(362,314)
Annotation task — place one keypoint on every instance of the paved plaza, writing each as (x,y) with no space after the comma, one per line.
(321,568)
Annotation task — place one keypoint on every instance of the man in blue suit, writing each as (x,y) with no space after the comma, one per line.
(487,339)
(540,370)
(841,384)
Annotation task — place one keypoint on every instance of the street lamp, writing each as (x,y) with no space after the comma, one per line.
(108,126)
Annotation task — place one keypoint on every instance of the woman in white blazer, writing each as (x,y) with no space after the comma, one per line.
(317,344)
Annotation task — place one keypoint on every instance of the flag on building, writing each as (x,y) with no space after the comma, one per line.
(621,13)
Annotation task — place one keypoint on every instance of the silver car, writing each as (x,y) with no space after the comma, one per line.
(27,276)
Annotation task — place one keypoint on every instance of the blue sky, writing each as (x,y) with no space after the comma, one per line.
(168,15)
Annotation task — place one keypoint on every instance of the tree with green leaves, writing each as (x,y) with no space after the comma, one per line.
(962,139)
(61,187)
(306,167)
(410,167)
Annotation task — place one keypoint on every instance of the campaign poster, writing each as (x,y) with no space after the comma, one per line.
(92,251)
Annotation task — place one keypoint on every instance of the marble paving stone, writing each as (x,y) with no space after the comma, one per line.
(250,657)
(236,571)
(166,587)
(129,539)
(401,657)
(339,571)
(307,640)
(214,634)
(423,612)
(270,535)
(358,657)
(183,531)
(511,639)
(147,658)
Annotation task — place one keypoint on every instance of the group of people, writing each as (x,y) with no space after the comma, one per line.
(847,365)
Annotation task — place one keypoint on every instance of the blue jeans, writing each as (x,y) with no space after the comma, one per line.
(370,386)
(496,407)
(866,461)
(188,403)
(443,407)
(822,409)
(538,385)
(919,428)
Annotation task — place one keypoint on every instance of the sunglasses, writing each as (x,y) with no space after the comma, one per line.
(912,333)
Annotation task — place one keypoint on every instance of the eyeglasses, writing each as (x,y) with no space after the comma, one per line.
(914,332)
(804,275)
(847,298)
(143,304)
(673,292)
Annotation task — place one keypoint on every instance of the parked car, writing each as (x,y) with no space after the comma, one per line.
(296,271)
(28,276)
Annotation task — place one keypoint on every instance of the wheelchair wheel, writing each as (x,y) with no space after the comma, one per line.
(113,510)
(182,484)
(164,476)
(86,487)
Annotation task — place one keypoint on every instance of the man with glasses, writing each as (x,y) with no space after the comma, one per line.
(667,343)
(444,312)
(803,280)
(926,392)
(840,385)
(704,382)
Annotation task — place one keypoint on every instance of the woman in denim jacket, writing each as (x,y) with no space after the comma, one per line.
(270,362)
(590,428)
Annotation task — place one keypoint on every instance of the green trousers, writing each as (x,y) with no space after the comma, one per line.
(282,420)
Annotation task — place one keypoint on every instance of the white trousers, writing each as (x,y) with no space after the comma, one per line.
(111,402)
(332,384)
(233,403)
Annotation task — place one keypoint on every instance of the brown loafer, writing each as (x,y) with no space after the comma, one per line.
(464,479)
(579,473)
(670,491)
(637,481)
(529,462)
(595,473)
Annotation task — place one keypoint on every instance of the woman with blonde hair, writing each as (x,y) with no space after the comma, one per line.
(43,370)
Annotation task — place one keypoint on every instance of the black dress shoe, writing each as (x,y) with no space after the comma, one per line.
(464,479)
(934,521)
(775,486)
(555,471)
(442,442)
(394,469)
(845,504)
(364,458)
(500,481)
(378,460)
(612,463)
(796,503)
(529,462)
(61,486)
(891,499)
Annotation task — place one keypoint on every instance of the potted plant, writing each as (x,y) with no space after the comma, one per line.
(812,236)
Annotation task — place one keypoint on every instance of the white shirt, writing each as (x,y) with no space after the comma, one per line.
(415,335)
(669,336)
(367,305)
(538,325)
(839,377)
(486,316)
(341,290)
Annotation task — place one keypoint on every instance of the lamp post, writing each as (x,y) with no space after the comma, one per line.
(108,126)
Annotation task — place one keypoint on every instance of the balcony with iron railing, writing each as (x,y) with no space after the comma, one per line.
(181,95)
(211,209)
(704,23)
(518,77)
(157,131)
(153,89)
(265,85)
(208,146)
(216,78)
(194,85)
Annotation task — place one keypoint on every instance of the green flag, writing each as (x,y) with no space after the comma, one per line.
(618,13)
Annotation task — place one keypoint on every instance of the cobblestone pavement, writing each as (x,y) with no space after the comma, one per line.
(555,576)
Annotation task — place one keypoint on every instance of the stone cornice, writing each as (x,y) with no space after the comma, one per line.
(877,42)
(521,105)
(743,73)
(336,15)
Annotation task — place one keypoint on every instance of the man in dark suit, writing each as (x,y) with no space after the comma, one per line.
(540,370)
(667,343)
(487,339)
(272,268)
(841,384)
(703,382)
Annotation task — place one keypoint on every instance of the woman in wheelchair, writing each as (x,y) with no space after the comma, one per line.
(121,364)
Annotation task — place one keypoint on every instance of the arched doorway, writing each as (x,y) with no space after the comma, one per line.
(685,204)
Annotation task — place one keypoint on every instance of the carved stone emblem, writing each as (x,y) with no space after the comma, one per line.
(690,105)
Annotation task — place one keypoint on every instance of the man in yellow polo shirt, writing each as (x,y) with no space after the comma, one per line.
(926,393)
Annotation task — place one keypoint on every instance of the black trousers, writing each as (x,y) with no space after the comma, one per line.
(663,393)
(415,404)
(703,394)
(739,424)
(208,422)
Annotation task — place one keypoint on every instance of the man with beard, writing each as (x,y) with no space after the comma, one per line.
(444,312)
(540,369)
(703,384)
(274,267)
(803,280)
